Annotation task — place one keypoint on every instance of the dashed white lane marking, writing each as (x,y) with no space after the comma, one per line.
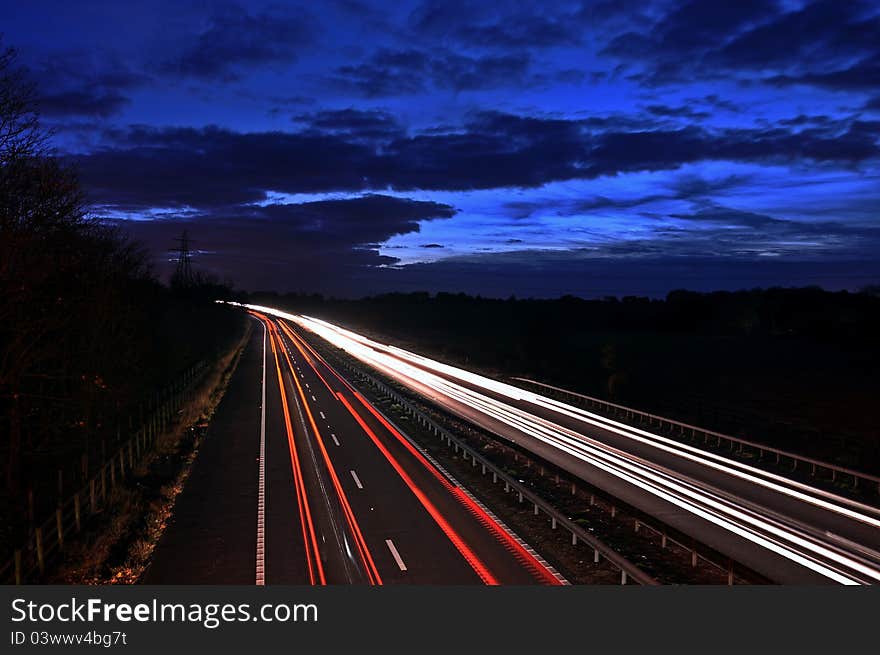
(314,399)
(322,415)
(335,440)
(395,554)
(307,386)
(357,480)
(491,514)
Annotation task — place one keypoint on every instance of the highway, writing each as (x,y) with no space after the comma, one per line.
(789,532)
(313,485)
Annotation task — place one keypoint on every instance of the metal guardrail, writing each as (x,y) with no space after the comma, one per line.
(696,555)
(578,534)
(46,540)
(621,411)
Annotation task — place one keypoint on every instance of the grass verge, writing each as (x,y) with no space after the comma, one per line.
(117,543)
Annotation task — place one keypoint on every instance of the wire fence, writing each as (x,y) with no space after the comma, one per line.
(46,541)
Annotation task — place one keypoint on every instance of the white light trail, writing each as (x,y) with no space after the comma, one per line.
(786,537)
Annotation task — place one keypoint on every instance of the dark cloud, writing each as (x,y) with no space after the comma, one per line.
(370,124)
(402,72)
(688,187)
(729,67)
(722,103)
(692,26)
(726,233)
(678,112)
(823,43)
(441,18)
(96,104)
(523,210)
(235,39)
(96,68)
(536,31)
(661,149)
(733,217)
(84,84)
(386,73)
(365,220)
(493,150)
(691,186)
(861,76)
(295,246)
(602,202)
(818,34)
(735,231)
(179,167)
(803,119)
(463,73)
(689,29)
(520,26)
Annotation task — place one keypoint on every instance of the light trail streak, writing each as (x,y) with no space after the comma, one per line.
(786,537)
(361,544)
(470,557)
(661,482)
(529,561)
(310,541)
(744,471)
(476,564)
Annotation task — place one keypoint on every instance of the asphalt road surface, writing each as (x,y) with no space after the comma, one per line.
(339,496)
(787,531)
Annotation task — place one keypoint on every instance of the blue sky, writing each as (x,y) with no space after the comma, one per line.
(528,148)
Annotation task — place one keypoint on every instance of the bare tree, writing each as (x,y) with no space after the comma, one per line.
(86,332)
(42,218)
(20,134)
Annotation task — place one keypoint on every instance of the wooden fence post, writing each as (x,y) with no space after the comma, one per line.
(41,562)
(30,511)
(76,512)
(59,527)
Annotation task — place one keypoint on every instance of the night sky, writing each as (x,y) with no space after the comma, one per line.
(528,148)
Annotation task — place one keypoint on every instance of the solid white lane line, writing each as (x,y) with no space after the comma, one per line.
(261,484)
(357,480)
(395,554)
(335,440)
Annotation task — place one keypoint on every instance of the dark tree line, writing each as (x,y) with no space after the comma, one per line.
(86,332)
